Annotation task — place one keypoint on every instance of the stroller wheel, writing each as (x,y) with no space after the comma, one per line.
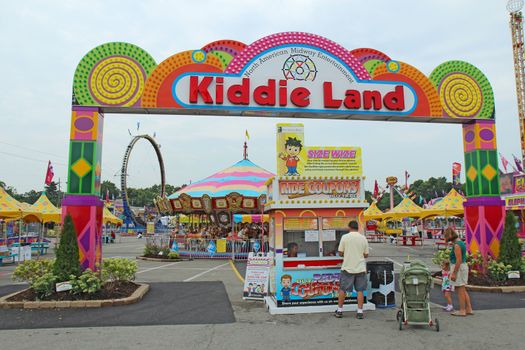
(436,322)
(399,314)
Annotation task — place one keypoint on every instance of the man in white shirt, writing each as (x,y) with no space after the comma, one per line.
(354,249)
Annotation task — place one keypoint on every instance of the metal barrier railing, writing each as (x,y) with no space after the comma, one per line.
(222,248)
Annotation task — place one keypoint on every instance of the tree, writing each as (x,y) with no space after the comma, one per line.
(67,257)
(510,250)
(52,193)
(106,186)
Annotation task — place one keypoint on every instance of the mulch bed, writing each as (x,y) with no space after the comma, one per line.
(485,281)
(115,290)
(165,257)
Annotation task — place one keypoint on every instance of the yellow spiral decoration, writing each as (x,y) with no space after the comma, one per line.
(117,81)
(460,95)
(112,74)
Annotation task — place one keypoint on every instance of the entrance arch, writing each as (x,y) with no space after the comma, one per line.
(293,74)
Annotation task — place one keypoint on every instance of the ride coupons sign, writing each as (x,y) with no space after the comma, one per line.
(319,189)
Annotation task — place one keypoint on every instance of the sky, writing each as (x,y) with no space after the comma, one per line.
(43,41)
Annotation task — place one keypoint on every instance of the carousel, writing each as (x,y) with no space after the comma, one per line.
(238,189)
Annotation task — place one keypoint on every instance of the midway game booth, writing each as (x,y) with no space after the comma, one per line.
(515,199)
(315,194)
(282,75)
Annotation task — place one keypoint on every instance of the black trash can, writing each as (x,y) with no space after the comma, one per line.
(381,291)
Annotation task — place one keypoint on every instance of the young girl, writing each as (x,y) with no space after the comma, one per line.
(446,288)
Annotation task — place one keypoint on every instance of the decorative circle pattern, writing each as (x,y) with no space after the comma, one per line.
(112,74)
(198,56)
(179,61)
(411,75)
(464,91)
(116,81)
(299,67)
(393,66)
(460,95)
(280,39)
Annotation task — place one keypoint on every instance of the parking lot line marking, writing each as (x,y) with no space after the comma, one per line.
(239,276)
(158,267)
(204,272)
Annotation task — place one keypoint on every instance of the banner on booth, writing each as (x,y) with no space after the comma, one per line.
(306,288)
(294,158)
(291,153)
(519,183)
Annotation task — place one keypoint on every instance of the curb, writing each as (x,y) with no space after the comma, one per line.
(160,259)
(485,289)
(135,297)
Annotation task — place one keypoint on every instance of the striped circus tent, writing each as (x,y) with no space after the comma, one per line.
(240,188)
(244,177)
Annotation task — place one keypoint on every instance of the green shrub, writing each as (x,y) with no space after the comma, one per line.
(164,251)
(151,249)
(30,270)
(87,283)
(510,249)
(67,257)
(173,255)
(475,262)
(44,285)
(441,256)
(498,270)
(118,269)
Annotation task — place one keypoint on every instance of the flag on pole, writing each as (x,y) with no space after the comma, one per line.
(456,173)
(504,162)
(518,163)
(247,135)
(376,190)
(49,174)
(407,175)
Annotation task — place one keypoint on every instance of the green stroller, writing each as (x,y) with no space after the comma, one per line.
(415,282)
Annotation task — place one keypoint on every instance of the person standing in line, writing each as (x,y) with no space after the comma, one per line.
(459,269)
(354,250)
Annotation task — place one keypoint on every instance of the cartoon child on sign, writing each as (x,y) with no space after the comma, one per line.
(286,281)
(293,147)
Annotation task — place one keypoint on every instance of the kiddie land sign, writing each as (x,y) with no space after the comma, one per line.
(294,78)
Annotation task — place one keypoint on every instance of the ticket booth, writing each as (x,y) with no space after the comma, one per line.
(304,237)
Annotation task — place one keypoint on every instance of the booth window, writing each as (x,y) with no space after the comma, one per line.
(300,237)
(333,228)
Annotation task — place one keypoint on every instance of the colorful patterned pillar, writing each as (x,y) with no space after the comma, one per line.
(484,209)
(83,189)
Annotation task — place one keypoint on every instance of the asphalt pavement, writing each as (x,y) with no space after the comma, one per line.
(250,326)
